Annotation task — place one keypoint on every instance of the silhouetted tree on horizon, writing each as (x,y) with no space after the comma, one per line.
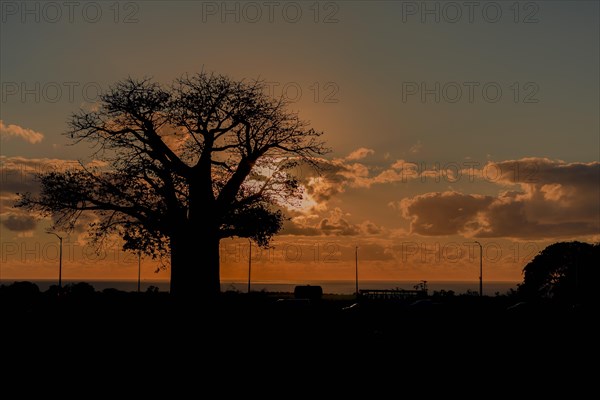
(181,168)
(564,272)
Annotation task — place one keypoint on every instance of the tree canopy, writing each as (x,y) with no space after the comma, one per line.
(179,167)
(565,272)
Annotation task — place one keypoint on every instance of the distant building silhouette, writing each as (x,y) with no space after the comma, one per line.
(308,292)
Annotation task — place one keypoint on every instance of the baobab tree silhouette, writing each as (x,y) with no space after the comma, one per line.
(184,166)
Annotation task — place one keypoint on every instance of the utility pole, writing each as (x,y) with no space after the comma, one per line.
(249,262)
(356,267)
(139,269)
(480,269)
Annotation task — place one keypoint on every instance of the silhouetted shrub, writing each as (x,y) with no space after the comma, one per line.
(79,290)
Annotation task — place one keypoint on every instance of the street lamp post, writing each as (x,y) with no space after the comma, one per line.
(249,262)
(356,268)
(139,269)
(59,258)
(480,269)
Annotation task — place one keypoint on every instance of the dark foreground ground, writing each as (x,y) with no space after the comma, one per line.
(255,335)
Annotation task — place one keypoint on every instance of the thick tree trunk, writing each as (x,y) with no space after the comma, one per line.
(195,242)
(195,266)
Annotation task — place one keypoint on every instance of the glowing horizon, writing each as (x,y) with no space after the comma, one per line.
(443,131)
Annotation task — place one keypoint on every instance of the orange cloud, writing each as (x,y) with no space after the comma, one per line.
(359,154)
(28,135)
(336,223)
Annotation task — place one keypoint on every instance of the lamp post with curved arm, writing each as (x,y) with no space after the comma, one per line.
(59,258)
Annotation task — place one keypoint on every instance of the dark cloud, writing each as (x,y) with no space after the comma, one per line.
(292,227)
(338,227)
(520,219)
(556,199)
(19,223)
(540,171)
(438,214)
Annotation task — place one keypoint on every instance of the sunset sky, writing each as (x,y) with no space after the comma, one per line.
(447,124)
